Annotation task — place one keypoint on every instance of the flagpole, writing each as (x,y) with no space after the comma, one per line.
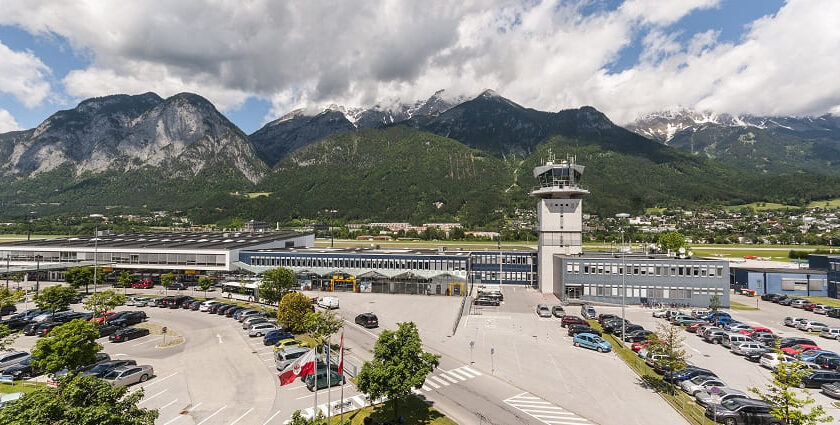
(329,383)
(341,372)
(315,408)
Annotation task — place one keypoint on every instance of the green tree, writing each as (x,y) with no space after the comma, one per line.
(79,401)
(70,345)
(321,325)
(276,283)
(125,279)
(82,276)
(786,401)
(103,301)
(205,283)
(399,364)
(166,280)
(54,298)
(714,302)
(668,340)
(292,309)
(17,278)
(672,241)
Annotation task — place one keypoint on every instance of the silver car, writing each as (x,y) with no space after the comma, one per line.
(260,329)
(705,398)
(247,323)
(830,333)
(248,313)
(746,348)
(127,375)
(543,311)
(811,326)
(700,383)
(8,360)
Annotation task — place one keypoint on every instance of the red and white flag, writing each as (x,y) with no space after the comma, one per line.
(341,355)
(304,365)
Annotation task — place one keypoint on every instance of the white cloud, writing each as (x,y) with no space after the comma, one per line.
(542,54)
(7,122)
(23,76)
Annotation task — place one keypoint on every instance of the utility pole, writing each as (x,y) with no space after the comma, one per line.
(622,216)
(37,273)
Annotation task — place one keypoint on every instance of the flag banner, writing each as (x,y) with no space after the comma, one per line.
(303,366)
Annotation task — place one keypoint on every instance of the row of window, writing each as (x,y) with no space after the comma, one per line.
(360,263)
(678,293)
(672,270)
(506,259)
(120,258)
(495,276)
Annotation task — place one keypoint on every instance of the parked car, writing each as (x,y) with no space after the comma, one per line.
(287,342)
(732,339)
(799,303)
(821,309)
(828,363)
(798,348)
(157,302)
(205,305)
(831,389)
(367,320)
(766,339)
(231,311)
(105,330)
(128,319)
(10,397)
(195,305)
(141,301)
(45,328)
(12,358)
(487,301)
(745,348)
(660,313)
(786,301)
(700,383)
(792,321)
(127,375)
(753,329)
(127,334)
(102,316)
(706,398)
(715,336)
(581,329)
(768,296)
(274,336)
(260,329)
(329,303)
(638,335)
(811,326)
(818,357)
(285,356)
(834,312)
(543,311)
(755,355)
(220,310)
(253,321)
(22,370)
(817,379)
(773,359)
(591,341)
(571,320)
(742,411)
(248,313)
(557,311)
(143,284)
(588,312)
(322,381)
(793,340)
(103,368)
(687,373)
(809,306)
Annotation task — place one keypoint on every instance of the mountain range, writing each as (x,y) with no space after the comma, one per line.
(442,158)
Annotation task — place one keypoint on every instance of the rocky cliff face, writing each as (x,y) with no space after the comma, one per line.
(181,135)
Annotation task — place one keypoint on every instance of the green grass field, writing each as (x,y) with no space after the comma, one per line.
(19,386)
(412,409)
(735,305)
(11,237)
(824,300)
(762,206)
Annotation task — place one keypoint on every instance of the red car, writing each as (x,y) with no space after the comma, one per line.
(637,346)
(572,320)
(798,348)
(754,329)
(693,328)
(102,317)
(143,284)
(809,306)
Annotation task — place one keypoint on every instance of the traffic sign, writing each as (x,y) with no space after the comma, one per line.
(715,390)
(163,330)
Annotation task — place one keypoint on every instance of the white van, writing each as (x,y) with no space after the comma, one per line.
(329,303)
(287,355)
(734,340)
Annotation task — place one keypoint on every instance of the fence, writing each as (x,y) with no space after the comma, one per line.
(466,303)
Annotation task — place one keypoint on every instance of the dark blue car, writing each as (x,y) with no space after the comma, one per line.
(688,373)
(276,336)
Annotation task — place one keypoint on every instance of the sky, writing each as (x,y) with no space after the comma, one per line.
(259,59)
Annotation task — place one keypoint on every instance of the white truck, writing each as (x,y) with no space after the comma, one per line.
(329,303)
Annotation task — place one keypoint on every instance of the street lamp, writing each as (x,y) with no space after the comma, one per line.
(38,273)
(622,216)
(95,250)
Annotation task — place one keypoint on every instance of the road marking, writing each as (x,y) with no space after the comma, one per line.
(297,387)
(146,342)
(174,419)
(272,417)
(361,402)
(425,388)
(145,399)
(167,404)
(448,378)
(243,415)
(189,410)
(214,414)
(544,411)
(471,370)
(362,329)
(157,381)
(432,384)
(441,381)
(460,374)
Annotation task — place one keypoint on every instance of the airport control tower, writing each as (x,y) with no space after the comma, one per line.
(559,215)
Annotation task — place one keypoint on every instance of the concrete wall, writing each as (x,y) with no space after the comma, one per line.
(772,283)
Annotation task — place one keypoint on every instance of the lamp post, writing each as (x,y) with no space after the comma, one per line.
(38,273)
(622,216)
(7,272)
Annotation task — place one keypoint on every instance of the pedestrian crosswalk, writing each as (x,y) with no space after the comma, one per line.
(447,377)
(544,411)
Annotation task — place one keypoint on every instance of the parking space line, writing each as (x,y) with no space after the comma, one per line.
(214,414)
(167,404)
(272,417)
(145,399)
(157,381)
(174,419)
(362,402)
(243,415)
(146,342)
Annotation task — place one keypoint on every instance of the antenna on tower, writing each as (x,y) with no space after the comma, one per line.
(550,156)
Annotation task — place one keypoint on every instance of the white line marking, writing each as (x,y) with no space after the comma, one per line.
(432,384)
(458,374)
(454,375)
(167,404)
(530,403)
(470,370)
(425,388)
(146,342)
(359,400)
(157,381)
(220,338)
(295,388)
(243,415)
(272,417)
(145,399)
(174,419)
(214,414)
(441,381)
(555,415)
(448,378)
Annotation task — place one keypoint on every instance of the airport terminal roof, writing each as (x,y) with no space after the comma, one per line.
(368,250)
(168,240)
